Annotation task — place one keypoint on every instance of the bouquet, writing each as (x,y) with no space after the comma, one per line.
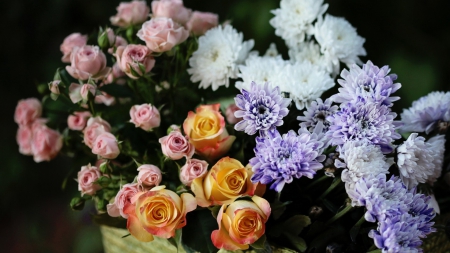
(190,136)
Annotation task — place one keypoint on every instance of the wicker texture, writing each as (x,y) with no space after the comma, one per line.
(438,242)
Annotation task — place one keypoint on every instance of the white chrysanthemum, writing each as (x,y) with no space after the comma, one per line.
(437,146)
(415,160)
(271,51)
(339,41)
(293,20)
(261,70)
(310,51)
(361,159)
(219,53)
(304,82)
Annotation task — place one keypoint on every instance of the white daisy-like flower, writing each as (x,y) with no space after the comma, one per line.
(261,70)
(361,159)
(339,41)
(310,52)
(415,160)
(304,82)
(437,146)
(272,51)
(219,53)
(293,20)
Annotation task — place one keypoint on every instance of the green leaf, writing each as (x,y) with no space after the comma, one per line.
(295,224)
(278,208)
(322,240)
(296,241)
(77,203)
(259,244)
(117,90)
(215,210)
(197,232)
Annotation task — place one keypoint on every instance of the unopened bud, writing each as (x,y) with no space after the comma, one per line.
(315,212)
(77,203)
(104,167)
(103,40)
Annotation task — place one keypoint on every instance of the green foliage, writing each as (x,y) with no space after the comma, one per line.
(197,232)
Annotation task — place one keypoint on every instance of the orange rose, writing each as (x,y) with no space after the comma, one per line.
(227,180)
(206,131)
(241,223)
(158,212)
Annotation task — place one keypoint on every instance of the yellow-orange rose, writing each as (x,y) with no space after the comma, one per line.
(227,180)
(158,212)
(206,131)
(241,223)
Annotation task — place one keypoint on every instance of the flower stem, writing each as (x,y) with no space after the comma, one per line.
(339,215)
(322,178)
(332,186)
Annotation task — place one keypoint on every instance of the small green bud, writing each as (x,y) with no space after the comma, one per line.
(104,167)
(173,128)
(103,40)
(77,203)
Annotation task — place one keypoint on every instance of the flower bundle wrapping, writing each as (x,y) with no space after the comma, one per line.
(148,105)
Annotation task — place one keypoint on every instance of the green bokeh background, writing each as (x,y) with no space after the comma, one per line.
(412,37)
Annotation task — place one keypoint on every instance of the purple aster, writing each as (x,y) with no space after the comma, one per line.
(425,113)
(369,82)
(397,234)
(262,109)
(280,159)
(364,120)
(423,212)
(317,111)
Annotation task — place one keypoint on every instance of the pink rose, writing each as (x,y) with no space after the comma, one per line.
(200,22)
(79,92)
(105,99)
(87,177)
(105,145)
(122,200)
(70,42)
(130,13)
(115,74)
(78,120)
(114,41)
(149,176)
(162,34)
(87,62)
(27,110)
(193,169)
(145,116)
(24,137)
(95,126)
(176,146)
(54,87)
(130,57)
(229,114)
(46,142)
(173,9)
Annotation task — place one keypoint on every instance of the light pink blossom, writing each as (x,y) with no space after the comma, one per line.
(46,142)
(132,57)
(229,114)
(24,137)
(200,22)
(130,13)
(78,92)
(149,176)
(95,126)
(70,42)
(27,110)
(193,169)
(145,116)
(173,9)
(78,120)
(176,146)
(87,177)
(106,146)
(87,62)
(122,200)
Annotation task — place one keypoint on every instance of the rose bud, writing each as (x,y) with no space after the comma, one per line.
(79,92)
(200,22)
(193,169)
(176,146)
(54,89)
(46,142)
(132,59)
(173,9)
(70,42)
(145,116)
(78,120)
(149,176)
(105,145)
(95,126)
(130,13)
(87,178)
(87,62)
(27,110)
(122,200)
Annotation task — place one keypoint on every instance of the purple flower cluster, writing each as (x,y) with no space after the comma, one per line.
(364,120)
(280,159)
(262,108)
(317,111)
(404,216)
(369,82)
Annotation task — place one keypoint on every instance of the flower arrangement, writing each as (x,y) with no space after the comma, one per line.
(174,152)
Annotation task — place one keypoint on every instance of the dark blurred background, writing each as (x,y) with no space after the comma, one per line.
(411,36)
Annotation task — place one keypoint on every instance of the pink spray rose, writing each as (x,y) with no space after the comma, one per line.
(86,180)
(130,57)
(45,143)
(162,34)
(173,9)
(105,145)
(87,62)
(79,92)
(54,87)
(78,120)
(176,146)
(115,74)
(27,110)
(70,42)
(122,200)
(114,40)
(145,116)
(193,169)
(95,126)
(200,22)
(105,99)
(24,137)
(229,114)
(130,13)
(149,176)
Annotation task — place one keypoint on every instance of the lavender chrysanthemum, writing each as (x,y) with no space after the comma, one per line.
(262,108)
(318,111)
(397,234)
(363,120)
(369,82)
(421,210)
(415,160)
(280,159)
(425,113)
(437,145)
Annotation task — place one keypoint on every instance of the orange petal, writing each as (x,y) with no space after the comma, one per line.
(263,205)
(197,189)
(189,202)
(222,240)
(136,229)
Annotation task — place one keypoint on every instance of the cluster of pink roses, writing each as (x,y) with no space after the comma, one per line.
(33,136)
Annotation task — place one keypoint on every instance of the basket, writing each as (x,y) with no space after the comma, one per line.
(438,242)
